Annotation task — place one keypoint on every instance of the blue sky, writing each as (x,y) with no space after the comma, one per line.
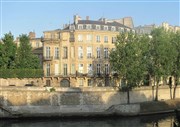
(23,16)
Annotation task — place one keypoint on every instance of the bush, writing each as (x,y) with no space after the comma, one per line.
(21,73)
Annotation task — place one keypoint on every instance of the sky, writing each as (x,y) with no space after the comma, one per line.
(22,16)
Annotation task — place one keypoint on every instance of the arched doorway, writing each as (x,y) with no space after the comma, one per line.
(64,83)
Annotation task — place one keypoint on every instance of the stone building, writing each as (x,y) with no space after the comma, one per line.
(146,29)
(78,54)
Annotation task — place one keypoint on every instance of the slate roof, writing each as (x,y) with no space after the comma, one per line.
(102,23)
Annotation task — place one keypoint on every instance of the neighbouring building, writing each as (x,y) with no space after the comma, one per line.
(146,29)
(78,54)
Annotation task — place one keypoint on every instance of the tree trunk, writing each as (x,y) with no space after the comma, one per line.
(175,86)
(170,92)
(128,97)
(157,88)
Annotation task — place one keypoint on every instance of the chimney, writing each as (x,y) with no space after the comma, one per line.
(105,20)
(32,35)
(87,17)
(76,18)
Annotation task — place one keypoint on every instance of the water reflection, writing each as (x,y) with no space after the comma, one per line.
(146,121)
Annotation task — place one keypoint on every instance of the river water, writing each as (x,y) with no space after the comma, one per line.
(145,121)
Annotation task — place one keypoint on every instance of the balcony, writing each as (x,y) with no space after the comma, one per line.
(47,58)
(49,39)
(71,39)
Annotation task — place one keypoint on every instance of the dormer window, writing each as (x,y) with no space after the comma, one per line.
(88,27)
(121,30)
(97,27)
(80,27)
(105,27)
(113,28)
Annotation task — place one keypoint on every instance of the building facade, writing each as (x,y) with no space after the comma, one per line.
(77,55)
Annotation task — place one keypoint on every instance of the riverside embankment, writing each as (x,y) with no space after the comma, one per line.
(18,102)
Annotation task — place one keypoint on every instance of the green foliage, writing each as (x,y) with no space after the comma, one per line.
(7,52)
(25,57)
(21,73)
(128,59)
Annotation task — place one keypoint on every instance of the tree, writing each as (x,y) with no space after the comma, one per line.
(161,56)
(176,65)
(25,57)
(7,52)
(128,60)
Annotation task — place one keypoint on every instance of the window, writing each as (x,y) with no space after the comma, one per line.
(88,27)
(48,69)
(81,82)
(65,52)
(37,44)
(65,69)
(73,69)
(80,38)
(97,38)
(89,52)
(98,52)
(98,69)
(80,52)
(98,27)
(113,39)
(89,38)
(105,27)
(113,28)
(106,69)
(47,52)
(89,68)
(90,82)
(105,52)
(121,30)
(105,39)
(80,69)
(56,53)
(80,27)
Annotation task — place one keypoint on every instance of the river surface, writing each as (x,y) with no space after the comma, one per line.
(145,121)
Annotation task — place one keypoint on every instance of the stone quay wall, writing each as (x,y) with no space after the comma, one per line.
(40,101)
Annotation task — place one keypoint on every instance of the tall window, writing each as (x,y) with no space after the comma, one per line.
(80,38)
(89,38)
(37,44)
(98,52)
(65,52)
(106,69)
(89,52)
(48,69)
(48,52)
(80,52)
(105,52)
(80,69)
(113,39)
(81,82)
(56,53)
(73,69)
(98,69)
(105,39)
(97,38)
(89,68)
(65,69)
